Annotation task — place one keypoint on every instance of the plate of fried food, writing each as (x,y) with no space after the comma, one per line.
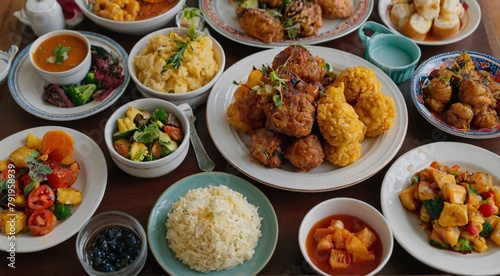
(431,22)
(322,120)
(458,93)
(271,23)
(451,221)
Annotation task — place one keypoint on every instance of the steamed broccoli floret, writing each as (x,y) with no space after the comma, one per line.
(463,245)
(434,207)
(80,94)
(91,78)
(487,229)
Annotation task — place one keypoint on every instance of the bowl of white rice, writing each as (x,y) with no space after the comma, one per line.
(177,65)
(213,223)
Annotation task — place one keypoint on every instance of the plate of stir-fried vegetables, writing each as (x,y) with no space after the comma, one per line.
(444,209)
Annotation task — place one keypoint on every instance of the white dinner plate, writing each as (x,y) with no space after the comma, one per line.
(420,78)
(405,225)
(91,181)
(221,15)
(158,217)
(234,146)
(26,86)
(472,18)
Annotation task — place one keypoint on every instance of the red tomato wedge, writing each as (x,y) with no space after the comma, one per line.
(41,198)
(62,176)
(42,222)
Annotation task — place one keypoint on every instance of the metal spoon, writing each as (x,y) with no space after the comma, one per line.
(204,162)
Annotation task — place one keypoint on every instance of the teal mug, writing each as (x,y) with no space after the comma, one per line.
(395,54)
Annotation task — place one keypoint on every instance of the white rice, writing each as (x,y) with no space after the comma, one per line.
(213,228)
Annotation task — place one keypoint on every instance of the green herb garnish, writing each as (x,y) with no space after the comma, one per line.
(60,55)
(175,60)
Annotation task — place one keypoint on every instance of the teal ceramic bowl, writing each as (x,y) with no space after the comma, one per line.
(157,230)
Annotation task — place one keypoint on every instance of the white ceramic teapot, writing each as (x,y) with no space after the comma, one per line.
(42,16)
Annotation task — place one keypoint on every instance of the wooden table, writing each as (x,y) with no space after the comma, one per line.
(136,196)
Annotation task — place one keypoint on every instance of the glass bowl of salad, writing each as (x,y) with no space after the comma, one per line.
(147,137)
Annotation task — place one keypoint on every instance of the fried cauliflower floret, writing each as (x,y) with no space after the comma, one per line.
(358,80)
(305,153)
(267,147)
(344,155)
(337,121)
(295,117)
(377,112)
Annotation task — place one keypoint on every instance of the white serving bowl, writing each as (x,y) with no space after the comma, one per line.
(353,207)
(73,75)
(193,98)
(158,167)
(138,27)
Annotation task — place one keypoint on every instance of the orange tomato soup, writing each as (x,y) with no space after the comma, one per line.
(353,224)
(77,52)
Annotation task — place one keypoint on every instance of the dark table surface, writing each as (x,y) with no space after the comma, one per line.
(136,196)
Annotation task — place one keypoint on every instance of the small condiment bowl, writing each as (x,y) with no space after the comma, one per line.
(70,76)
(195,97)
(154,168)
(395,54)
(90,230)
(352,207)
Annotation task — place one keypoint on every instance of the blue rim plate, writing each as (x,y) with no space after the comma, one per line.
(26,86)
(91,181)
(482,62)
(157,230)
(221,16)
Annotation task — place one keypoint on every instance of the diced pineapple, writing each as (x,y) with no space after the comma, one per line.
(454,193)
(442,180)
(496,193)
(473,200)
(19,155)
(424,215)
(325,244)
(336,223)
(367,237)
(4,164)
(125,124)
(476,219)
(453,215)
(425,191)
(69,196)
(495,234)
(339,237)
(436,239)
(448,234)
(355,245)
(407,198)
(33,141)
(491,202)
(339,259)
(13,218)
(479,244)
(362,258)
(321,232)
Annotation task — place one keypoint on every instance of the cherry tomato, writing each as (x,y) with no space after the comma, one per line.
(41,222)
(41,198)
(486,195)
(486,209)
(62,176)
(472,229)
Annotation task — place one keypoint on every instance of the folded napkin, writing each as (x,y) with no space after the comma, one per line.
(72,13)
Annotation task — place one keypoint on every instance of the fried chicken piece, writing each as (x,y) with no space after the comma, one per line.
(485,117)
(260,24)
(357,80)
(301,62)
(475,94)
(267,147)
(337,120)
(459,115)
(307,15)
(295,117)
(336,9)
(305,153)
(377,112)
(344,155)
(437,95)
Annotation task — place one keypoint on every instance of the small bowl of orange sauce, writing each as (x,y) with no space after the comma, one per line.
(345,236)
(61,57)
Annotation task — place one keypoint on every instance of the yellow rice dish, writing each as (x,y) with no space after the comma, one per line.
(175,64)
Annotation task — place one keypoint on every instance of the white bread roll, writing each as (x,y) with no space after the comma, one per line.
(416,27)
(429,9)
(446,26)
(450,8)
(400,13)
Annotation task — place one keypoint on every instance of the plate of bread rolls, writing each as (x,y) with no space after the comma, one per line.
(431,22)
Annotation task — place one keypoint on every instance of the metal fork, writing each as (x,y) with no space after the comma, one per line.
(204,162)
